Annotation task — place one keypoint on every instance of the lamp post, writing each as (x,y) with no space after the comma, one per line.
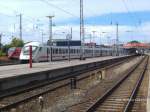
(117,39)
(93,46)
(108,40)
(100,47)
(50,29)
(81,30)
(42,33)
(20,25)
(104,33)
(50,36)
(68,38)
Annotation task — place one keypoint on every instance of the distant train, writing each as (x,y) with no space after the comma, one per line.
(14,52)
(42,52)
(137,51)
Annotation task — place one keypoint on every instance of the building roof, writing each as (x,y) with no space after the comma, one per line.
(136,45)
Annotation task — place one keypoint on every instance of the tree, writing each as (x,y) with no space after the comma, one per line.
(1,45)
(5,48)
(14,43)
(17,43)
(134,41)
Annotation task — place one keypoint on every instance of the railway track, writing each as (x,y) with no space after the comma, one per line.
(121,97)
(39,90)
(140,104)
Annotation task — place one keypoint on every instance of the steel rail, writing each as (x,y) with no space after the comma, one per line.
(135,91)
(96,104)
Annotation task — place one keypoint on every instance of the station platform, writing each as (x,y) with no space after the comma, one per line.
(23,69)
(18,75)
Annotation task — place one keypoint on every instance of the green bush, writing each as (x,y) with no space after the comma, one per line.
(2,53)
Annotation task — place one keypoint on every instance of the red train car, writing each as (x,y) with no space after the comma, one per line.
(14,52)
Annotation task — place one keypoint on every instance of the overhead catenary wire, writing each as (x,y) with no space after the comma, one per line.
(59,8)
(134,16)
(129,12)
(139,18)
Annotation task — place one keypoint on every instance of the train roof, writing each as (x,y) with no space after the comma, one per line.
(136,45)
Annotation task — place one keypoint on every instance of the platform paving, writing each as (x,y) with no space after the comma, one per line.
(23,69)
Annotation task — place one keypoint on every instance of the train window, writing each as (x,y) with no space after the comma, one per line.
(70,50)
(74,51)
(56,51)
(40,49)
(66,50)
(59,51)
(47,51)
(88,51)
(77,51)
(26,50)
(63,51)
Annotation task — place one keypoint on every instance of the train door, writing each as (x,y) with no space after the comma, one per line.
(41,54)
(49,54)
(38,56)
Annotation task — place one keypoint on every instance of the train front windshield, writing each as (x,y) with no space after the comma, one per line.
(26,50)
(12,49)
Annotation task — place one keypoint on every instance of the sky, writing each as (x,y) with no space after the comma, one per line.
(133,17)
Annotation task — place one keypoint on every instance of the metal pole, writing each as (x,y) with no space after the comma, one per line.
(42,36)
(20,16)
(50,29)
(100,46)
(70,37)
(93,46)
(50,36)
(81,30)
(117,40)
(90,38)
(30,60)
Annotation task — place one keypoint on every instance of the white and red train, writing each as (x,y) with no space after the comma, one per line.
(14,52)
(42,52)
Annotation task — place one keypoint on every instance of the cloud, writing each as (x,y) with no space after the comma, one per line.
(98,16)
